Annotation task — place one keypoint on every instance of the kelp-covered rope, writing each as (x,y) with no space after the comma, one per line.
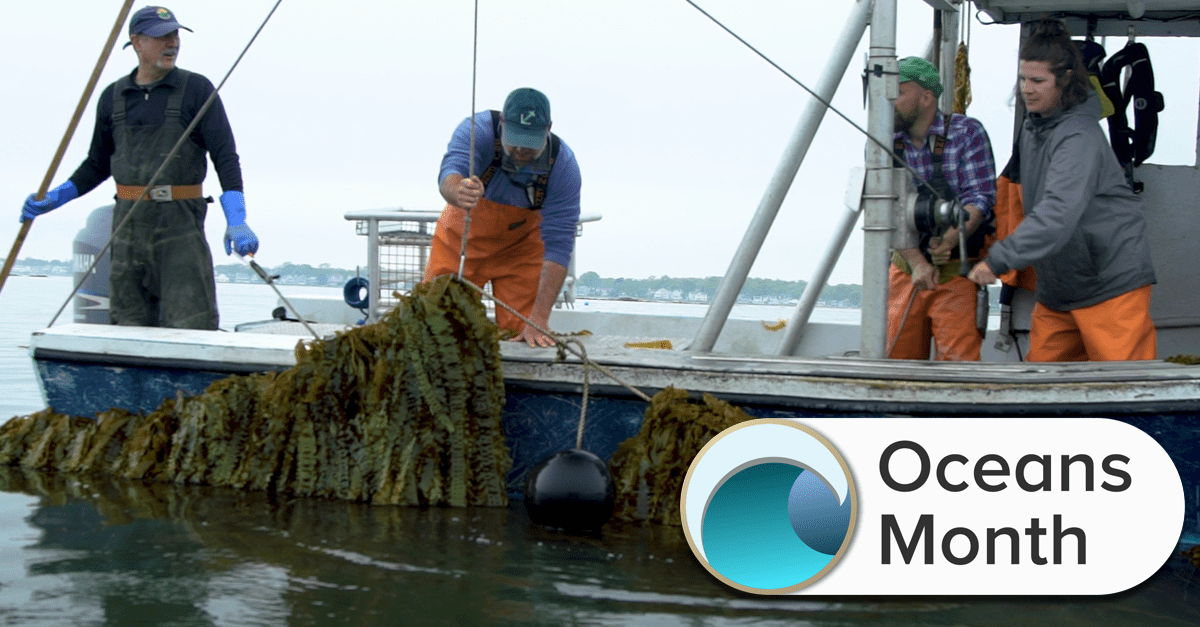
(648,469)
(562,346)
(403,411)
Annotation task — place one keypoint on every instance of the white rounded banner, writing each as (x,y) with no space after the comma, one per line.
(933,506)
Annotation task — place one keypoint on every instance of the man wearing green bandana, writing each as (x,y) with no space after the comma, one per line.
(927,299)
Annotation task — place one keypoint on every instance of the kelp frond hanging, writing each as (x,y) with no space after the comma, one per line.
(648,469)
(402,411)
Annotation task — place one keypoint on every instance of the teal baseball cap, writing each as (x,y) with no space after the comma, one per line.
(922,72)
(526,118)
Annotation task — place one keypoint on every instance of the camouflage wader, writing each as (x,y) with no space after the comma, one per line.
(162,270)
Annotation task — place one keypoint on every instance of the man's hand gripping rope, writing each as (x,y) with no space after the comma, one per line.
(564,346)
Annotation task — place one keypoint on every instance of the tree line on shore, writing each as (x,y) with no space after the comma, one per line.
(588,285)
(703,289)
(289,273)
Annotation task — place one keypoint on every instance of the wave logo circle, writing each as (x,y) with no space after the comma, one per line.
(768,506)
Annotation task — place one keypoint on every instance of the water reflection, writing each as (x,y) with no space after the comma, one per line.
(95,551)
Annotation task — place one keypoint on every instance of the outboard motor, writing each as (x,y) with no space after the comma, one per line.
(91,301)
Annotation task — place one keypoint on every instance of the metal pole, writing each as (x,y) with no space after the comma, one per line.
(785,172)
(812,292)
(951,24)
(374,276)
(883,87)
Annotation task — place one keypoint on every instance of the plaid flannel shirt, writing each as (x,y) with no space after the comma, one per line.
(967,160)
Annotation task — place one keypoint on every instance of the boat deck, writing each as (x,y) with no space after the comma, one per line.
(838,383)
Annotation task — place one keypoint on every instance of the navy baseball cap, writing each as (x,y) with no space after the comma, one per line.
(526,118)
(154,22)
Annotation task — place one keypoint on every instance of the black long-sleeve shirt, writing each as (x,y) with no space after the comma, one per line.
(147,105)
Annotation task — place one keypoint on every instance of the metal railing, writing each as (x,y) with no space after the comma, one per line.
(398,242)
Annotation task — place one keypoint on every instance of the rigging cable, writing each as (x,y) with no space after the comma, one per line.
(828,105)
(462,255)
(154,179)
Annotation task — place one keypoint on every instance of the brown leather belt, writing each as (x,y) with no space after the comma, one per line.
(159,193)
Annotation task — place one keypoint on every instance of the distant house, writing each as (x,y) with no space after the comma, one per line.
(661,293)
(697,296)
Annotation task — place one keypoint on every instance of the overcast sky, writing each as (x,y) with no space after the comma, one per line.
(344,106)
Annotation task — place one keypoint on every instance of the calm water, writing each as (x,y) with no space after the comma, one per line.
(89,551)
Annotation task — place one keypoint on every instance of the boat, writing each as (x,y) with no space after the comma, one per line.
(806,369)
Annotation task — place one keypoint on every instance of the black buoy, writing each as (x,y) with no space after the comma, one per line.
(571,490)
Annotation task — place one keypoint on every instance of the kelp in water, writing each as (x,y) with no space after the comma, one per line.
(649,468)
(403,411)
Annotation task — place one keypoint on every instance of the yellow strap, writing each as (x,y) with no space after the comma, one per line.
(665,344)
(945,273)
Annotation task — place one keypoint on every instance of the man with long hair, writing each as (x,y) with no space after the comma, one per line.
(1083,232)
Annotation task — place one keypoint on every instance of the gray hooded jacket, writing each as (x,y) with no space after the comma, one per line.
(1083,231)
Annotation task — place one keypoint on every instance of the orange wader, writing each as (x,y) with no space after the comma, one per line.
(945,314)
(1010,210)
(1118,329)
(504,247)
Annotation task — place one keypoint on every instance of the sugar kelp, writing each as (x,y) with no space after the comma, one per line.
(403,411)
(648,469)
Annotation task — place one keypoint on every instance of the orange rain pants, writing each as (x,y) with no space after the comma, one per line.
(1118,329)
(1010,210)
(945,314)
(504,247)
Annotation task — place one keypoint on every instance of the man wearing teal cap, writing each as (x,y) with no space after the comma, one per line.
(522,192)
(927,299)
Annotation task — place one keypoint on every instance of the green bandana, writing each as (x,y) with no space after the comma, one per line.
(921,71)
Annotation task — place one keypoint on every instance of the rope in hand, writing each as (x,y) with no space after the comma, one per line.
(462,256)
(561,344)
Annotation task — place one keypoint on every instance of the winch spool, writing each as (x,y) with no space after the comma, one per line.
(935,215)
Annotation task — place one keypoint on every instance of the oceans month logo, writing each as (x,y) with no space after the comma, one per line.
(982,506)
(768,506)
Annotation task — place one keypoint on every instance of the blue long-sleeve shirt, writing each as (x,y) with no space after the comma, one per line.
(148,107)
(560,209)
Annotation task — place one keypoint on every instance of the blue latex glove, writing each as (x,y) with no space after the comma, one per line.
(54,199)
(238,236)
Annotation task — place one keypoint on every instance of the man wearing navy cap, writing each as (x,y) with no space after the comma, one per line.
(523,203)
(162,269)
